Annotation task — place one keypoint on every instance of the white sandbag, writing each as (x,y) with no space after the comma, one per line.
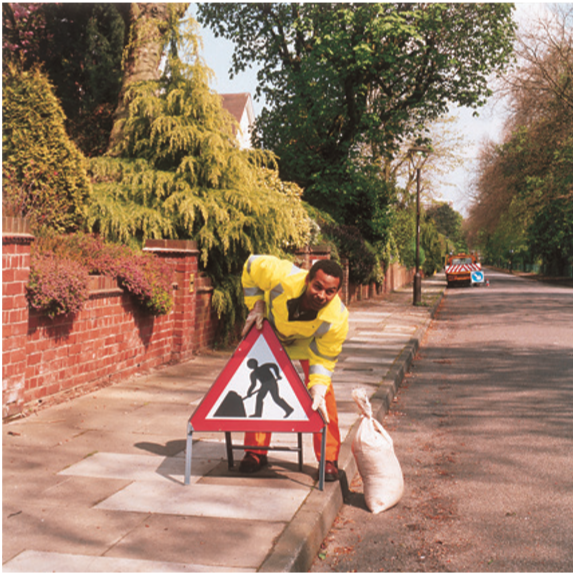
(377,463)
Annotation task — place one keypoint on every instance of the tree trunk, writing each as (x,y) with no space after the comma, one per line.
(148,23)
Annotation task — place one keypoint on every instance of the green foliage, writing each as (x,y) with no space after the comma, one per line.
(448,222)
(41,162)
(178,173)
(524,186)
(404,235)
(354,80)
(363,263)
(433,247)
(61,266)
(79,46)
(551,236)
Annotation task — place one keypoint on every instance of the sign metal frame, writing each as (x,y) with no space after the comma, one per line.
(200,420)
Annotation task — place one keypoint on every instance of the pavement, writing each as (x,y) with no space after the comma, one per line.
(96,484)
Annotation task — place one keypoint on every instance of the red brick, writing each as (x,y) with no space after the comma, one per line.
(13,288)
(34,358)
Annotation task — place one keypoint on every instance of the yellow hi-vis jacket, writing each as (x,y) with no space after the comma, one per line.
(320,341)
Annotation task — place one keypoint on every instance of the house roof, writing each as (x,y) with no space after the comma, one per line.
(236,104)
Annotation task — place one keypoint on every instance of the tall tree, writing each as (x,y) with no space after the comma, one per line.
(151,27)
(345,83)
(448,222)
(526,185)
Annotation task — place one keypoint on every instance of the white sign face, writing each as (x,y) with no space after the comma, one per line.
(258,390)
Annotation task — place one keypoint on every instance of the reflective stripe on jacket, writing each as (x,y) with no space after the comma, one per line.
(320,341)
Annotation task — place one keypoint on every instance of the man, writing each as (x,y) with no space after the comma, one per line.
(312,323)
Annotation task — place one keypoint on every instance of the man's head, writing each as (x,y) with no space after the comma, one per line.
(322,284)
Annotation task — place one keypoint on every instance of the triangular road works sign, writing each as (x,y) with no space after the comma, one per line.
(258,390)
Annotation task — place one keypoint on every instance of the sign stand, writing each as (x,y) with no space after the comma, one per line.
(259,379)
(231,461)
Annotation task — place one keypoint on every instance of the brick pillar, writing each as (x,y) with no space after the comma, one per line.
(206,321)
(344,292)
(184,257)
(15,274)
(305,257)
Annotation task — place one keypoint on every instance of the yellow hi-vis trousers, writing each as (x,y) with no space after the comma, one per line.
(332,431)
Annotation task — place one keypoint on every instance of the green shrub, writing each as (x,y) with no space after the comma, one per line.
(44,165)
(364,266)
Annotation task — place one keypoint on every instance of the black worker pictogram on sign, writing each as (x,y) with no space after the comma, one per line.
(258,390)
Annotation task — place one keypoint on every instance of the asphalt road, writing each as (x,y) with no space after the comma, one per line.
(483,428)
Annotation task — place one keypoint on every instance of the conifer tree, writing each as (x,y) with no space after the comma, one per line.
(40,163)
(177,172)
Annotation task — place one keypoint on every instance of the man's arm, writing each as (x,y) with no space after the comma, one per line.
(260,275)
(252,386)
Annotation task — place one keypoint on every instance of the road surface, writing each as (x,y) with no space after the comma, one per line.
(483,428)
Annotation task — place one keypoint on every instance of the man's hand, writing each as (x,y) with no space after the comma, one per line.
(256,316)
(318,393)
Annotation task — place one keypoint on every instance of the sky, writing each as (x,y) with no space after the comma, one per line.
(217,54)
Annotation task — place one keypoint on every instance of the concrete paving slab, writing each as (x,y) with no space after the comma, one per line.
(220,544)
(126,441)
(76,532)
(170,418)
(370,319)
(147,394)
(378,346)
(201,500)
(45,562)
(23,462)
(40,433)
(375,335)
(74,492)
(137,467)
(361,360)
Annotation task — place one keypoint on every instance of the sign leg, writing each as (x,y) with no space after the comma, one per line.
(229,444)
(300,451)
(322,465)
(188,453)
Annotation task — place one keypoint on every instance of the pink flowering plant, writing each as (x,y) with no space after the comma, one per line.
(56,286)
(61,263)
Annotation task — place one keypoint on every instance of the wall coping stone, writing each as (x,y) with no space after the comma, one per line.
(173,246)
(15,238)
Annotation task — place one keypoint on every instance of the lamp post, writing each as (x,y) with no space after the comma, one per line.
(422,155)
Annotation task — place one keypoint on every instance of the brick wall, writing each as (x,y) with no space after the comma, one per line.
(46,360)
(112,338)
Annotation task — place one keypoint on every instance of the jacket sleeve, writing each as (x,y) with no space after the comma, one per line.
(260,275)
(325,349)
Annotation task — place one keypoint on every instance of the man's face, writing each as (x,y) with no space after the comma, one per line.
(319,291)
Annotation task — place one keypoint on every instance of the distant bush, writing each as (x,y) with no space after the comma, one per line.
(364,265)
(61,266)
